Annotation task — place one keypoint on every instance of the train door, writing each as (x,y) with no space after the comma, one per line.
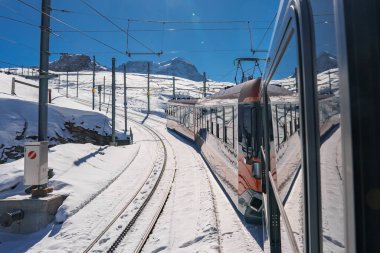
(290,150)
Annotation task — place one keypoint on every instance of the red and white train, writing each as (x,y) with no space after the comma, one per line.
(226,129)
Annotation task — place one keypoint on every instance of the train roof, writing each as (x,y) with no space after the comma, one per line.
(245,92)
(191,101)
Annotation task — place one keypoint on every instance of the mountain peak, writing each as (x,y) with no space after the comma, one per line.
(74,62)
(326,61)
(175,67)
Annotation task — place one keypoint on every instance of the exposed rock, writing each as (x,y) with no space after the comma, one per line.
(74,62)
(326,61)
(176,67)
(78,135)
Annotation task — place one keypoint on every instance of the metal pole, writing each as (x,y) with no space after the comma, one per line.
(59,81)
(173,87)
(125,99)
(100,97)
(204,84)
(22,70)
(148,93)
(113,100)
(67,84)
(77,83)
(104,89)
(13,90)
(93,85)
(329,82)
(44,68)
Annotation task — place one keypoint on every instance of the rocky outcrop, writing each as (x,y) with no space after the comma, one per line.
(326,61)
(74,62)
(78,134)
(178,67)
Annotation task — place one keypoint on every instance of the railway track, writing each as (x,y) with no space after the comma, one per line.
(153,220)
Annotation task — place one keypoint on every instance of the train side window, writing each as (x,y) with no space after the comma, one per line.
(332,169)
(212,116)
(220,123)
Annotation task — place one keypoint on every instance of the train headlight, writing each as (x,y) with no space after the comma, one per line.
(256,168)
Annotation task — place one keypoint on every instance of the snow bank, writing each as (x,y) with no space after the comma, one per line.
(82,171)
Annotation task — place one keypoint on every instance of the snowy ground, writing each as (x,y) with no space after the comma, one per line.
(98,180)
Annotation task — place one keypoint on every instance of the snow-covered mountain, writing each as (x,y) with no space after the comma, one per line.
(74,62)
(326,61)
(178,67)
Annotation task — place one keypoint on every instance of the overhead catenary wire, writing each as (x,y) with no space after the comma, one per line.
(266,31)
(20,21)
(169,29)
(9,63)
(34,50)
(116,25)
(141,20)
(166,29)
(72,27)
(189,21)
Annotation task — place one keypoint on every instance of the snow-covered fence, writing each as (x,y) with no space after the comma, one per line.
(14,81)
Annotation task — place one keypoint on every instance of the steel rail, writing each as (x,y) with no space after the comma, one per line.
(142,207)
(118,215)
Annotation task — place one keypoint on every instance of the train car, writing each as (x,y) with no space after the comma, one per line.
(318,137)
(215,124)
(226,127)
(319,146)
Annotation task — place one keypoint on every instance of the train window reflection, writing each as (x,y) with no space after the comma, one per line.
(229,125)
(332,198)
(286,149)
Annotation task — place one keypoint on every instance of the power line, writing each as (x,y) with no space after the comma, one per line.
(9,63)
(189,21)
(265,33)
(19,21)
(137,20)
(206,50)
(72,27)
(167,29)
(34,50)
(120,28)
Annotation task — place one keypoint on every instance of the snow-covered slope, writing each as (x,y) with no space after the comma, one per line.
(19,120)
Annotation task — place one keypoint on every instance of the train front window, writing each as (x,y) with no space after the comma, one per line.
(247,132)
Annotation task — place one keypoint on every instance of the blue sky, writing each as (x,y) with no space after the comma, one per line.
(211,47)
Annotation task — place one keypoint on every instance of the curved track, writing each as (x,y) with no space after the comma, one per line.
(157,213)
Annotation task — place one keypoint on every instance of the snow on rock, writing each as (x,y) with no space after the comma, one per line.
(19,124)
(326,61)
(74,62)
(178,67)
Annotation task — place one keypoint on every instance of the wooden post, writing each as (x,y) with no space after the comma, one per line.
(49,96)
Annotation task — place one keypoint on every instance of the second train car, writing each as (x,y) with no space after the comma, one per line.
(225,126)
